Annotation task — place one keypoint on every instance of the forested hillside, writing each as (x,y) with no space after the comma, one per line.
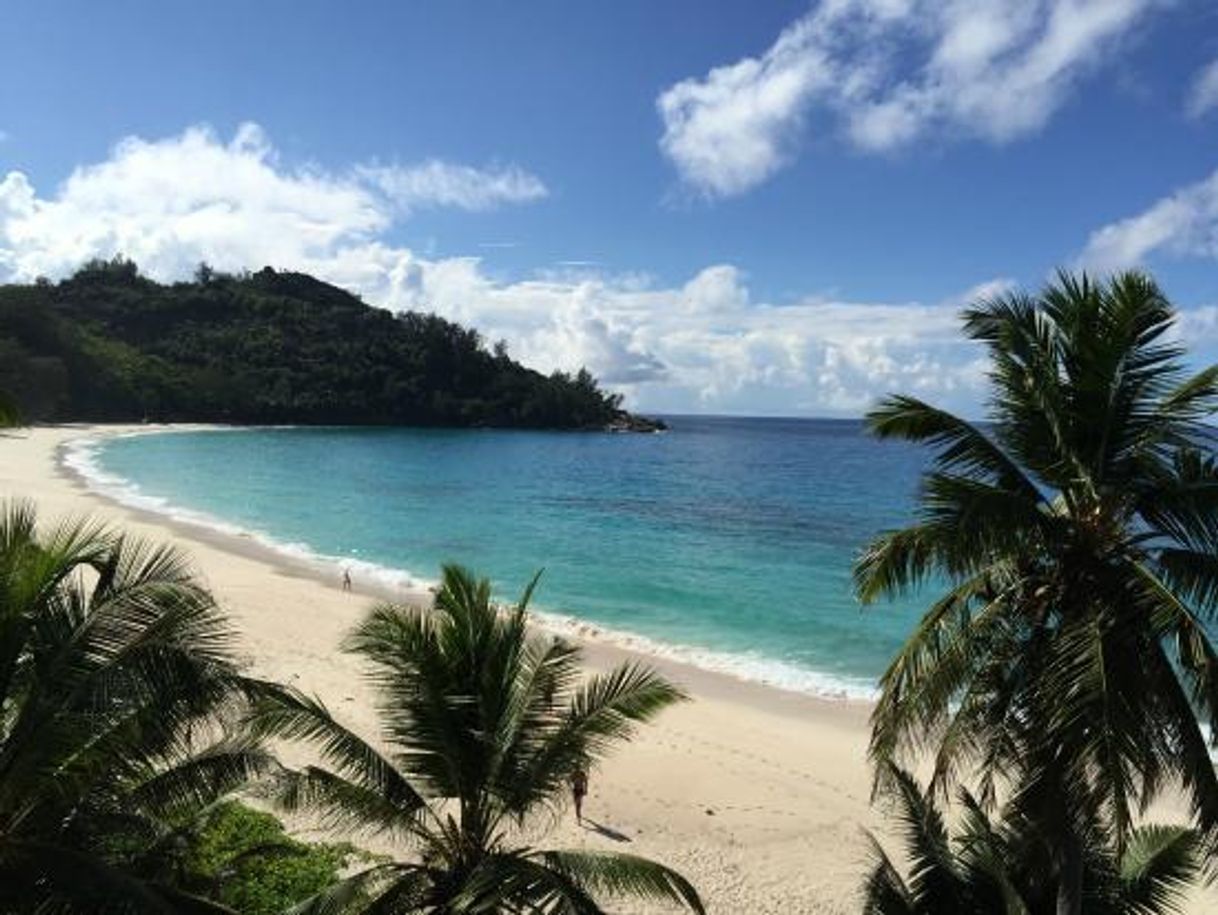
(271,347)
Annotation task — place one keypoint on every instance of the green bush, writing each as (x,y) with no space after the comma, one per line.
(244,859)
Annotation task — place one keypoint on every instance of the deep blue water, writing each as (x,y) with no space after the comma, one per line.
(731,539)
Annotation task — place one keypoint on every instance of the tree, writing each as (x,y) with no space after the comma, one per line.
(999,868)
(271,347)
(484,725)
(244,858)
(116,684)
(1077,536)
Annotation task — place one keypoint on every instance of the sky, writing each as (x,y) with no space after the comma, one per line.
(719,206)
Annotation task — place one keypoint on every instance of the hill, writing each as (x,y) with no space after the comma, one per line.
(108,344)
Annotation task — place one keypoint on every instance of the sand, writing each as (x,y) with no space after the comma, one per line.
(759,796)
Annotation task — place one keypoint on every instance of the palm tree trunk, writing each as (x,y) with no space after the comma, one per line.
(1070,878)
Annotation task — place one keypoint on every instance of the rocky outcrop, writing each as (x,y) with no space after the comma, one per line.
(631,422)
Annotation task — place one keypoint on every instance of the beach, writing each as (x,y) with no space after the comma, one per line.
(759,796)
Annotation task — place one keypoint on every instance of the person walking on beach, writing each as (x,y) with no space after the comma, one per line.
(346,579)
(579,790)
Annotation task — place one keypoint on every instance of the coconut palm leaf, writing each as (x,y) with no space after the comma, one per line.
(116,689)
(201,778)
(1076,532)
(1158,868)
(482,724)
(76,882)
(624,876)
(288,714)
(885,891)
(344,804)
(1007,866)
(361,890)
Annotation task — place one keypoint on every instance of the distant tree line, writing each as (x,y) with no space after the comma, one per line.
(108,344)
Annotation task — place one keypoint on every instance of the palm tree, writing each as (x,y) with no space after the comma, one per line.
(990,868)
(1076,534)
(115,679)
(483,725)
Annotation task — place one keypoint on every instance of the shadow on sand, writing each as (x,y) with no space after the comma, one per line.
(606,831)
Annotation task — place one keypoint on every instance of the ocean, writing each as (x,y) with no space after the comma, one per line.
(724,542)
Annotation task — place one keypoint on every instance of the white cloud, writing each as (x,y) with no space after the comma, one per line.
(1185,223)
(1203,95)
(705,344)
(169,203)
(733,128)
(1198,327)
(436,183)
(992,69)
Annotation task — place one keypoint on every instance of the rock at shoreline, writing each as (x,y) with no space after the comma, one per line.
(629,422)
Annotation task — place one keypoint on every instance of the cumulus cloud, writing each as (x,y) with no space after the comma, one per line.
(169,203)
(888,73)
(704,344)
(436,183)
(1185,223)
(735,127)
(1203,95)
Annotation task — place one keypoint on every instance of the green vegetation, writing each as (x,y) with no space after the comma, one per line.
(110,345)
(126,729)
(1002,868)
(243,858)
(1063,676)
(1070,659)
(117,728)
(485,725)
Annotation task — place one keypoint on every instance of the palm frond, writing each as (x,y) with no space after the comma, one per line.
(623,876)
(517,882)
(290,715)
(1075,533)
(65,875)
(353,893)
(885,892)
(933,877)
(341,804)
(202,778)
(1158,867)
(959,444)
(483,722)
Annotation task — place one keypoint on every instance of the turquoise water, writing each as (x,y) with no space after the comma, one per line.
(725,541)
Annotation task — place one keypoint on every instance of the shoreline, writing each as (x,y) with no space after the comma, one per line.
(760,796)
(598,641)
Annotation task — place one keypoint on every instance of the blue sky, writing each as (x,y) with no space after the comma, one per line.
(728,206)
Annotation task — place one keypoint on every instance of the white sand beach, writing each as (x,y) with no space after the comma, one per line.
(759,796)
